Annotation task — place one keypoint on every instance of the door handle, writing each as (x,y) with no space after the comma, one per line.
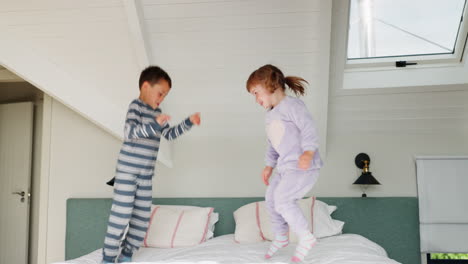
(22,194)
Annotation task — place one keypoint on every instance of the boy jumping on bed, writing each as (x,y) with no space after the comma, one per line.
(144,125)
(293,149)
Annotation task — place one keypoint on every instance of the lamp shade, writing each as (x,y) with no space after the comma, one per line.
(366,178)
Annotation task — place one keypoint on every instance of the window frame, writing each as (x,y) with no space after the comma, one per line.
(422,60)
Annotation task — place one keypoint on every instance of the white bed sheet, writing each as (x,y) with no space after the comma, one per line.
(342,249)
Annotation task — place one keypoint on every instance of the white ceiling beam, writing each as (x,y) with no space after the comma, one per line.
(141,47)
(136,27)
(50,78)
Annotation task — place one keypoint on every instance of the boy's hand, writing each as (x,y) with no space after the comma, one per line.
(162,119)
(305,158)
(195,119)
(266,174)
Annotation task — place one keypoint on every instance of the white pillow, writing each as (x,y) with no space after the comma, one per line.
(253,222)
(177,226)
(323,224)
(214,217)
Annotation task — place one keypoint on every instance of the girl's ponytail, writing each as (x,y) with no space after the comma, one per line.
(296,84)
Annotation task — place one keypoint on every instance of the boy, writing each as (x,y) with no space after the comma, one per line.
(144,125)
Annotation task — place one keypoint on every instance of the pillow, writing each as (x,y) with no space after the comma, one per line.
(253,222)
(323,224)
(178,226)
(214,217)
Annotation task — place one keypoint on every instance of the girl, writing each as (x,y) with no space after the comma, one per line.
(293,150)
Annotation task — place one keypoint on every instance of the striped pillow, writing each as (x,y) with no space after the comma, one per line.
(176,226)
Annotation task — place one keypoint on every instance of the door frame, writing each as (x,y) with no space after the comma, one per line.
(43,194)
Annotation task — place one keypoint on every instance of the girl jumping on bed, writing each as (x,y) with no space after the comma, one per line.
(293,150)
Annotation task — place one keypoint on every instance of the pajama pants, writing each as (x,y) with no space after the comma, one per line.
(284,190)
(131,206)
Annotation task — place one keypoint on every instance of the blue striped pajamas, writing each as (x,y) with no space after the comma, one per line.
(132,200)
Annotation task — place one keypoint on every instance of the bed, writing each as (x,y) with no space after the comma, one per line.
(377,230)
(342,249)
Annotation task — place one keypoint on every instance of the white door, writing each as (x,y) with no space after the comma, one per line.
(16,130)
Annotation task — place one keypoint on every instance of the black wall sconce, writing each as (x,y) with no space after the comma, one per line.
(362,161)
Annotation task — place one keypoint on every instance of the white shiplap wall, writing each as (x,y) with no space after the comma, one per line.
(210,48)
(392,125)
(392,128)
(79,52)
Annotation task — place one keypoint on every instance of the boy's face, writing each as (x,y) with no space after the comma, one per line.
(262,96)
(153,95)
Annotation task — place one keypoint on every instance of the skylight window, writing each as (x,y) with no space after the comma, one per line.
(405,30)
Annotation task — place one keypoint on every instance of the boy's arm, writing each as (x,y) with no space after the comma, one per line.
(271,156)
(171,133)
(134,129)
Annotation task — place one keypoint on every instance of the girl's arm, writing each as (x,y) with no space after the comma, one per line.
(307,127)
(271,156)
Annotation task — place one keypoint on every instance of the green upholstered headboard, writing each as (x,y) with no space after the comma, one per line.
(392,222)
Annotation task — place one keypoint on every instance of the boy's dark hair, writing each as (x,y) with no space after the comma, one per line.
(154,74)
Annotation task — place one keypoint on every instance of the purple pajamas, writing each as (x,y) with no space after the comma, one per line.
(285,189)
(291,131)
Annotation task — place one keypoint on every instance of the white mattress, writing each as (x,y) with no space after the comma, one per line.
(342,249)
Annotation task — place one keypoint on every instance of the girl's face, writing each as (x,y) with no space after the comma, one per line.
(263,97)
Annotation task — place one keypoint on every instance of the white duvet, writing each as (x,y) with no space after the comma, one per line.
(342,249)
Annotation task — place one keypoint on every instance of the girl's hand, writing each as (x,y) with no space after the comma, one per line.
(195,119)
(162,119)
(266,174)
(305,158)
